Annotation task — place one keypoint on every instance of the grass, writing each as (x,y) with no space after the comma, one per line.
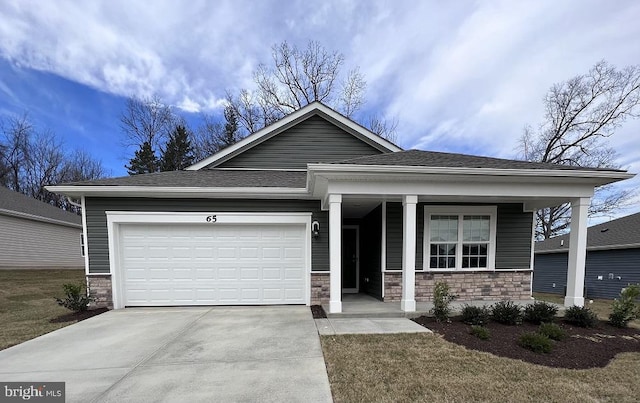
(425,367)
(602,307)
(27,303)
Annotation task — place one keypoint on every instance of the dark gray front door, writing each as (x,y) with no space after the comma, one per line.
(350,259)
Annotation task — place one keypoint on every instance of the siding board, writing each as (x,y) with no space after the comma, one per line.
(29,243)
(97,221)
(513,238)
(624,263)
(313,140)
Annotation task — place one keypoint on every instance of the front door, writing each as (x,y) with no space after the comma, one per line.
(350,269)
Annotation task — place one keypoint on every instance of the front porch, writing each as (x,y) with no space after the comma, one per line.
(366,306)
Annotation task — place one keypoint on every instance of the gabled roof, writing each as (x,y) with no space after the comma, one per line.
(223,178)
(620,233)
(19,205)
(450,160)
(314,108)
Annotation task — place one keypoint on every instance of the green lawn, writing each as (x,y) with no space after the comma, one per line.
(27,302)
(426,368)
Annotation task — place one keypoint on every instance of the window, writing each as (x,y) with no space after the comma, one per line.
(459,238)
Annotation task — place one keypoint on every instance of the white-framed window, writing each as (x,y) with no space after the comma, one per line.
(459,238)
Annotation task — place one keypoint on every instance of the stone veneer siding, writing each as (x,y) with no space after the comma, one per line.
(100,290)
(484,286)
(320,288)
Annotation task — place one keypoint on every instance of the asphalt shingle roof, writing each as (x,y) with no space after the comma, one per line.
(622,231)
(19,203)
(207,178)
(450,160)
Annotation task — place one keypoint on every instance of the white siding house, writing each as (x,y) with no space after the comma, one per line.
(34,234)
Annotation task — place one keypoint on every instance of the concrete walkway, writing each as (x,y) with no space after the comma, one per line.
(352,325)
(228,354)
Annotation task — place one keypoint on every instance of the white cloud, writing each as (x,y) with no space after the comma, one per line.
(460,76)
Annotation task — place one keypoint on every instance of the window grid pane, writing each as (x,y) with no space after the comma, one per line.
(443,256)
(475,228)
(474,255)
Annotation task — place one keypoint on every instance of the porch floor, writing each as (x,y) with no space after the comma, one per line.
(366,306)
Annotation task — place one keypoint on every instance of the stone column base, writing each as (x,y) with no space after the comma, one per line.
(100,289)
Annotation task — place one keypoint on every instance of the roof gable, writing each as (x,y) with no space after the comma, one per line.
(311,123)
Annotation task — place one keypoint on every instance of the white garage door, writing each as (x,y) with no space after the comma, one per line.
(225,264)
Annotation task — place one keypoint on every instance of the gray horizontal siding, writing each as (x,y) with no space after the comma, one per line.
(97,221)
(623,263)
(28,243)
(513,238)
(313,140)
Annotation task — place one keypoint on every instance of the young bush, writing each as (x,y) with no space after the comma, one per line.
(540,312)
(535,342)
(624,307)
(480,332)
(76,298)
(506,312)
(475,315)
(442,298)
(552,331)
(580,316)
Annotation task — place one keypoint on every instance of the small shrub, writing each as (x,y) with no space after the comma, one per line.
(540,312)
(475,315)
(506,312)
(552,331)
(624,307)
(480,332)
(536,342)
(76,299)
(580,316)
(442,298)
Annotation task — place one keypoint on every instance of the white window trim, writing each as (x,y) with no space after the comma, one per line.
(491,211)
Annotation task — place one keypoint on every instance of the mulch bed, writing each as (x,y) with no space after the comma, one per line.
(78,316)
(318,312)
(583,348)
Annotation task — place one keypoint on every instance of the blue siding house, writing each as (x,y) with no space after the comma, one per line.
(612,263)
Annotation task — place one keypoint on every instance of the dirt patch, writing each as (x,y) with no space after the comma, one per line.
(78,316)
(318,312)
(583,348)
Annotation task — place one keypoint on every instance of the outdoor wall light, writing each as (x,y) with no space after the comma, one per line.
(315,229)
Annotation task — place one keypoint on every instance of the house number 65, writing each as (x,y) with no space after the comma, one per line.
(212,218)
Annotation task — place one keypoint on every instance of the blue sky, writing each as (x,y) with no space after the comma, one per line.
(462,76)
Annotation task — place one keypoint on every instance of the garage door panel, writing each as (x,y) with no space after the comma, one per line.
(213,265)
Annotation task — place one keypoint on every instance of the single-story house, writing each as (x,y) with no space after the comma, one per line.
(314,206)
(34,234)
(612,262)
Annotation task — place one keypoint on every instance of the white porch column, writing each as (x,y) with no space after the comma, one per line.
(408,302)
(335,253)
(577,252)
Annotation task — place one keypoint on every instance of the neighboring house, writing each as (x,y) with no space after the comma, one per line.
(612,263)
(34,234)
(316,205)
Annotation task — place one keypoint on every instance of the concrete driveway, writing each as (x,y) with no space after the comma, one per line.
(195,354)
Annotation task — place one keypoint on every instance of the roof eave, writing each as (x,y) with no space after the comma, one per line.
(188,192)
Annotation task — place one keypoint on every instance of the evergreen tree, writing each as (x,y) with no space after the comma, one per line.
(144,161)
(178,153)
(230,127)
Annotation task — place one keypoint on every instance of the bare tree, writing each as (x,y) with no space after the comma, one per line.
(295,79)
(215,135)
(383,127)
(580,114)
(16,133)
(146,120)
